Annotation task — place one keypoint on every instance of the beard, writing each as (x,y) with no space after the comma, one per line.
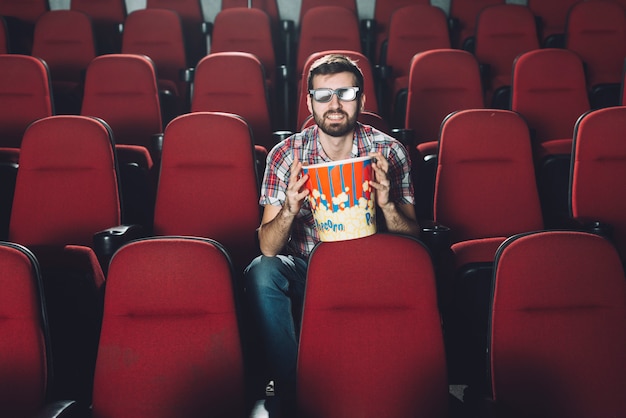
(335,129)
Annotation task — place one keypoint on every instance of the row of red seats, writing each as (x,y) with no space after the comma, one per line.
(502,32)
(170,343)
(485,189)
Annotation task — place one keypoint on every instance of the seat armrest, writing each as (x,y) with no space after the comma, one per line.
(599,228)
(108,241)
(435,236)
(406,137)
(62,409)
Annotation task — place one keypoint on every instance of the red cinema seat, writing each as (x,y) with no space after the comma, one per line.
(503,32)
(596,31)
(64,39)
(108,18)
(556,327)
(358,330)
(169,305)
(26,365)
(485,191)
(194,26)
(208,184)
(158,34)
(551,17)
(549,90)
(412,29)
(598,167)
(463,14)
(66,191)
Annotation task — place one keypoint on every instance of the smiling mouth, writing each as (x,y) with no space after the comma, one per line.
(335,116)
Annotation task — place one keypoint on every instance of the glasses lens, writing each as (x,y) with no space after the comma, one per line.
(347,94)
(322,95)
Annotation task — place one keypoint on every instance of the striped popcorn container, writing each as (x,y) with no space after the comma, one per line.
(341,198)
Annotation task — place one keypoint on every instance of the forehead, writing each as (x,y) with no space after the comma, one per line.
(333,81)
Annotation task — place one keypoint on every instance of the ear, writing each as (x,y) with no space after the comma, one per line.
(309,105)
(362,104)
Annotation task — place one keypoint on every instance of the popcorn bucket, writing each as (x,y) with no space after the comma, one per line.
(341,198)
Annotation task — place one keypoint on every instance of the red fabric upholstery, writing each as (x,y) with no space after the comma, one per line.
(369,89)
(412,29)
(306,5)
(256,39)
(4,37)
(24,359)
(549,90)
(596,31)
(234,82)
(106,16)
(486,183)
(440,82)
(598,167)
(208,185)
(158,34)
(268,6)
(170,344)
(557,319)
(25,96)
(26,10)
(192,16)
(64,40)
(465,12)
(122,90)
(102,11)
(552,16)
(382,15)
(327,27)
(367,323)
(503,32)
(66,188)
(66,191)
(485,191)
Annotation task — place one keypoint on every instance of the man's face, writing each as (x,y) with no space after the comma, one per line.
(336,117)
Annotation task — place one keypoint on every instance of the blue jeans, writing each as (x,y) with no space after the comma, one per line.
(274,291)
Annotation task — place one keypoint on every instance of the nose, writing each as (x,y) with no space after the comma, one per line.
(335,103)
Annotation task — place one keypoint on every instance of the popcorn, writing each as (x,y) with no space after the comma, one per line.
(351,211)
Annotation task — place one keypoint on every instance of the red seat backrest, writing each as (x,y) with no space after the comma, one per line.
(122,90)
(208,185)
(24,332)
(598,167)
(485,184)
(327,27)
(234,82)
(66,188)
(440,82)
(573,291)
(25,96)
(358,329)
(169,306)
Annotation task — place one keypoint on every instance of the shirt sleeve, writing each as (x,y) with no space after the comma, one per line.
(276,177)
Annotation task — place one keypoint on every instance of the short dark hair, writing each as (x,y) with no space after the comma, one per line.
(335,64)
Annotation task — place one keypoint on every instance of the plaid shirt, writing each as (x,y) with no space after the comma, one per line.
(306,144)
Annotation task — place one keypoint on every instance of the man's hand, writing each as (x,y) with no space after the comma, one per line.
(296,192)
(381,182)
